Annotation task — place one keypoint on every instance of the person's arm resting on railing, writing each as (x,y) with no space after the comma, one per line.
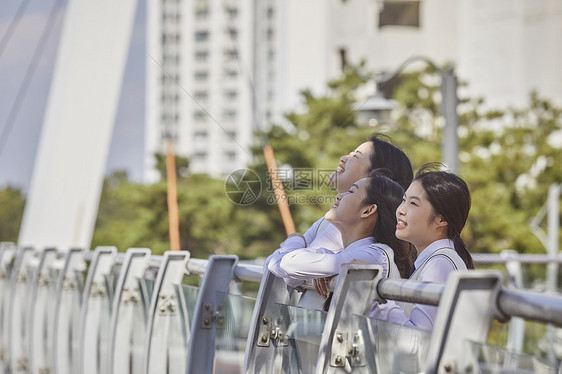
(422,316)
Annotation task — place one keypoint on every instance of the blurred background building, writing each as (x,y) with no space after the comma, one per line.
(214,71)
(218,70)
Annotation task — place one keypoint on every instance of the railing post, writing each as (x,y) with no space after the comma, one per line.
(354,293)
(128,315)
(467,306)
(95,312)
(41,314)
(18,304)
(162,314)
(260,356)
(7,253)
(207,314)
(516,332)
(67,313)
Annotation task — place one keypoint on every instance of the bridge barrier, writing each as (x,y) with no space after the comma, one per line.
(107,312)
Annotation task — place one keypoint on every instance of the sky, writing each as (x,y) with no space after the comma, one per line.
(19,138)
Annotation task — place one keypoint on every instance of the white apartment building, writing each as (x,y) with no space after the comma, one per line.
(219,69)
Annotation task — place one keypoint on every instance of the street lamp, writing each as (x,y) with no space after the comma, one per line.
(378,107)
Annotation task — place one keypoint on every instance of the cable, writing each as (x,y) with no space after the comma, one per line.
(12,27)
(20,96)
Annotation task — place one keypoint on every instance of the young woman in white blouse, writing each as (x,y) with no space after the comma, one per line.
(374,154)
(431,216)
(365,217)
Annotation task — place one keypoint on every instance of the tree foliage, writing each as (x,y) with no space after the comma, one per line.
(12,202)
(509,159)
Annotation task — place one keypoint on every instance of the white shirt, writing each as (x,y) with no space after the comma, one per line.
(306,263)
(321,234)
(436,270)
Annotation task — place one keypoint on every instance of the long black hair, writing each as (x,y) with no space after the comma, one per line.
(387,195)
(450,198)
(392,158)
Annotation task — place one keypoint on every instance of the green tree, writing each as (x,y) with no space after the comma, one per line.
(509,158)
(12,202)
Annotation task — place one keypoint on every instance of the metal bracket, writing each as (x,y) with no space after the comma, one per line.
(210,316)
(339,349)
(268,332)
(342,349)
(167,304)
(278,333)
(264,331)
(357,351)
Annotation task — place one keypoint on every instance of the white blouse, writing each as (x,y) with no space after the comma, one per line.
(306,263)
(437,269)
(322,234)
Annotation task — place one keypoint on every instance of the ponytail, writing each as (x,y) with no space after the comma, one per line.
(462,251)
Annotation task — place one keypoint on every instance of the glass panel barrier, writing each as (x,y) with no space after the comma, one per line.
(296,335)
(19,324)
(232,332)
(66,333)
(489,359)
(147,287)
(180,326)
(396,348)
(190,294)
(130,331)
(41,319)
(6,264)
(305,327)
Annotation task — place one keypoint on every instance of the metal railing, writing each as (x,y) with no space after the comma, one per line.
(107,312)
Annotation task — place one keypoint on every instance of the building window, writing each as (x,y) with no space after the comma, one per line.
(199,115)
(343,59)
(230,95)
(399,13)
(201,56)
(170,59)
(230,155)
(232,12)
(201,76)
(201,95)
(270,12)
(230,54)
(230,73)
(232,33)
(201,36)
(169,39)
(231,134)
(201,11)
(200,135)
(229,115)
(200,156)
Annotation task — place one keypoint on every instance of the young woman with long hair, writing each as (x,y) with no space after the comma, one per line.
(365,217)
(373,154)
(433,212)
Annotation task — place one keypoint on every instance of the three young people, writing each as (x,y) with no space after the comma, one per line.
(375,222)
